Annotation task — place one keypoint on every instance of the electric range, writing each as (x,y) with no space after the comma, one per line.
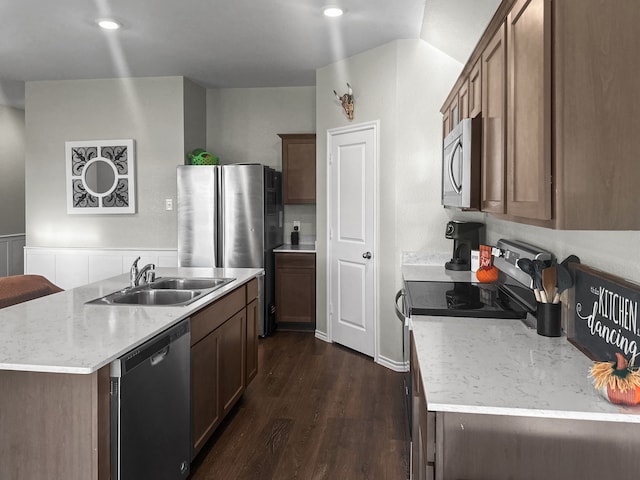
(509,297)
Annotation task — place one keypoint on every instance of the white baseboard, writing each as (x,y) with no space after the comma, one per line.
(393,364)
(322,336)
(71,267)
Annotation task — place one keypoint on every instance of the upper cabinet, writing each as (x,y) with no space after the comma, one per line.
(493,125)
(529,110)
(556,79)
(299,167)
(475,90)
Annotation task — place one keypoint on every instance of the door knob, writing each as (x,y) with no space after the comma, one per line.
(366,255)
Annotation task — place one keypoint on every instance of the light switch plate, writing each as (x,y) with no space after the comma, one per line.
(296,223)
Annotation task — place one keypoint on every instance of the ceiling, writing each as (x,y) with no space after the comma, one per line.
(217,43)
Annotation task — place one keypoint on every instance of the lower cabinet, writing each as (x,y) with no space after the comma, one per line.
(252,340)
(223,343)
(422,425)
(296,291)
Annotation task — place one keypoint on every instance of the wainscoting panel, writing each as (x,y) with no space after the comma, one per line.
(73,267)
(11,254)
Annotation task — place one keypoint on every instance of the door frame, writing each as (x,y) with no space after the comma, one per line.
(331,132)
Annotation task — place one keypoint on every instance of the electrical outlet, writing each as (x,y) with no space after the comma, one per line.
(168,204)
(296,223)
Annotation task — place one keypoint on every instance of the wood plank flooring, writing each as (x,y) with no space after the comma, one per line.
(315,411)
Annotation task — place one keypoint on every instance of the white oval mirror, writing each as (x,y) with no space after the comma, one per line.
(99,177)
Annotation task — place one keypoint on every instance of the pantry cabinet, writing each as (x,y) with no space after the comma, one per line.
(559,142)
(298,167)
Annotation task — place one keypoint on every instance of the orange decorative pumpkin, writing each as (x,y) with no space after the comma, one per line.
(616,382)
(486,275)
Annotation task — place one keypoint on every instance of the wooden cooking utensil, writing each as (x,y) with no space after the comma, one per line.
(549,281)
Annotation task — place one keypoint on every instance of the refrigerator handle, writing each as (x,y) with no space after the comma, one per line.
(218,238)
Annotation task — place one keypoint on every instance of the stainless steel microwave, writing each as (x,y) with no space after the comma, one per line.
(461,152)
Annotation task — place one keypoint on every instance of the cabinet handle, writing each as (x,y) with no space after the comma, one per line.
(366,255)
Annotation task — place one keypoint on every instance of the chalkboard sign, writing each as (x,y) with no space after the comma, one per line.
(603,315)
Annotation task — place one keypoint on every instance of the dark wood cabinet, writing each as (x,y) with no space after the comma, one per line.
(223,343)
(493,125)
(422,425)
(529,110)
(558,113)
(298,167)
(475,90)
(252,340)
(296,291)
(232,360)
(204,388)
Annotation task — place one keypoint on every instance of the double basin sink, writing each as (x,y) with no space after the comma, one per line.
(164,291)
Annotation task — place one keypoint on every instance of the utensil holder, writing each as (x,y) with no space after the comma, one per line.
(548,319)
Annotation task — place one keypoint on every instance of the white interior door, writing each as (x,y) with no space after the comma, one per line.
(352,217)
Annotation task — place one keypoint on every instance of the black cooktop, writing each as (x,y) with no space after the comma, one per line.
(462,299)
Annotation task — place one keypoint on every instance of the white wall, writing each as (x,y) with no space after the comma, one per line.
(611,251)
(243,126)
(149,110)
(402,84)
(12,153)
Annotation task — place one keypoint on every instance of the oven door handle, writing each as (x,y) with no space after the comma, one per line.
(399,313)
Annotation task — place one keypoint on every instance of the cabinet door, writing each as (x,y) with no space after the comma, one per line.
(232,360)
(475,90)
(446,123)
(463,100)
(493,124)
(204,389)
(454,113)
(252,340)
(529,110)
(299,168)
(296,290)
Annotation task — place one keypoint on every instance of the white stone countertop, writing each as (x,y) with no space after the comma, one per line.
(501,367)
(300,248)
(60,333)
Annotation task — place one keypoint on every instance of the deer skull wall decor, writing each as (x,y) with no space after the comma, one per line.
(347,101)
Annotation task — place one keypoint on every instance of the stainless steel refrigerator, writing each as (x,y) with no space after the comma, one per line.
(232,216)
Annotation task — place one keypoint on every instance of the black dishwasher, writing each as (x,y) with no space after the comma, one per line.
(150,409)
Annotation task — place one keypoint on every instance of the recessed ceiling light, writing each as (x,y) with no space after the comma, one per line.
(332,11)
(108,24)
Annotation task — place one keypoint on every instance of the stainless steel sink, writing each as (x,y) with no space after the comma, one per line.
(156,297)
(189,283)
(164,291)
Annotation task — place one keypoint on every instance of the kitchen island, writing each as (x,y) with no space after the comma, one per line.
(500,401)
(55,353)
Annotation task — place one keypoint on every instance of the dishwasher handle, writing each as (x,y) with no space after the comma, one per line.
(399,313)
(160,356)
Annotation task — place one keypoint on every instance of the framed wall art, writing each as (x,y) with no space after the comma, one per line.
(100,177)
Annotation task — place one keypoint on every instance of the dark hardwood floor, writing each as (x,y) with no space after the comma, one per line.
(315,411)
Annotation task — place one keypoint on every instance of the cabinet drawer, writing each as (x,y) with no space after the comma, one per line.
(211,317)
(296,260)
(252,290)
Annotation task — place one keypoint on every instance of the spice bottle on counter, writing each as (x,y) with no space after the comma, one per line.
(295,236)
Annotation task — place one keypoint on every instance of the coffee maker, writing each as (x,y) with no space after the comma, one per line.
(466,237)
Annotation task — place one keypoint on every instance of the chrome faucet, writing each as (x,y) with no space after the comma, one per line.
(147,273)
